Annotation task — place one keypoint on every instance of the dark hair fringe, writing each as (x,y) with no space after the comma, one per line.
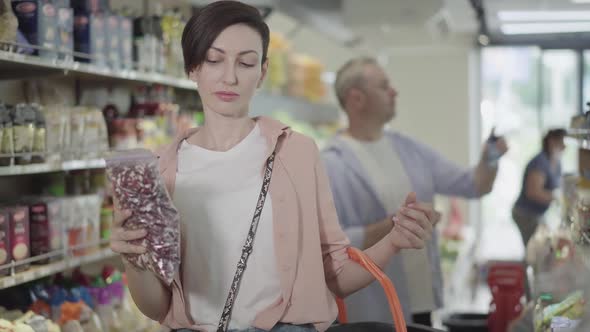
(208,22)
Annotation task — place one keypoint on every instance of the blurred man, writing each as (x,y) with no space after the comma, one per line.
(371,170)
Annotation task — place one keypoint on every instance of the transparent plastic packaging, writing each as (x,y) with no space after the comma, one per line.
(138,187)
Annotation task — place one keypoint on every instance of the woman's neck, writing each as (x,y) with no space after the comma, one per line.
(221,133)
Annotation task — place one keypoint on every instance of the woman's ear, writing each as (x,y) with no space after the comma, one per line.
(264,70)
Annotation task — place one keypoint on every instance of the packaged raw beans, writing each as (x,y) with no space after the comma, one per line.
(138,187)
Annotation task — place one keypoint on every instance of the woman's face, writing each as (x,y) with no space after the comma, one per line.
(231,72)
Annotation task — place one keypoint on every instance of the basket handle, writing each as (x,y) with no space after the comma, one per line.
(365,261)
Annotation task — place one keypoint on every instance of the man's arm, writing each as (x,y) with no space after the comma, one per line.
(485,174)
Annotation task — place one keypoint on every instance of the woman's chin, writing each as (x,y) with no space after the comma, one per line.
(230,111)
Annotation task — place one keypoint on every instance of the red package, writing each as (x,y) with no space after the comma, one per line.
(138,187)
(5,256)
(19,234)
(45,228)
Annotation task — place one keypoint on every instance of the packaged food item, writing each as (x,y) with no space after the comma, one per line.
(5,252)
(37,21)
(6,136)
(105,311)
(22,327)
(77,130)
(95,141)
(92,237)
(6,326)
(112,29)
(72,326)
(89,34)
(23,125)
(126,43)
(45,227)
(583,209)
(19,234)
(65,29)
(123,310)
(36,322)
(76,229)
(106,222)
(40,137)
(138,187)
(55,123)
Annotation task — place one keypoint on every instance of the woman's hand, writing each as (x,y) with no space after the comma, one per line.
(413,224)
(120,237)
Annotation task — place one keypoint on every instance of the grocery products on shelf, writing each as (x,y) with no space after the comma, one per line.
(77,302)
(293,74)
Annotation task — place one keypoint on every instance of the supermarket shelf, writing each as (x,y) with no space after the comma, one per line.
(15,66)
(581,135)
(38,272)
(52,167)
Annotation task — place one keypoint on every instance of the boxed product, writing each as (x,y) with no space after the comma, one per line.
(46,227)
(138,187)
(92,205)
(112,29)
(126,43)
(37,21)
(65,29)
(23,127)
(5,255)
(89,36)
(6,133)
(19,234)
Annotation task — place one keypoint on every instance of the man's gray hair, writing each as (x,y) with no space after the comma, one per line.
(350,75)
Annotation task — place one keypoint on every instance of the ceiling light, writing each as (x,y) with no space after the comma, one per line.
(581,1)
(544,15)
(544,28)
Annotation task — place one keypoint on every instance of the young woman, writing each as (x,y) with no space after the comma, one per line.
(215,174)
(541,177)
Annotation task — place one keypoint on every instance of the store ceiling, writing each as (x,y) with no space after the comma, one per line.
(382,25)
(400,23)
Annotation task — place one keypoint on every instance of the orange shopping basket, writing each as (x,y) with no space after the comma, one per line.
(394,305)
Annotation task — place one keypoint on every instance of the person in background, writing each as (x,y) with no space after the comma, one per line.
(371,168)
(215,173)
(542,177)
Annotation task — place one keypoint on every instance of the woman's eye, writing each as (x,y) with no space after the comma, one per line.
(246,64)
(212,61)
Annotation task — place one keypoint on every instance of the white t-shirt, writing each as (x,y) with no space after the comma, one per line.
(391,183)
(216,194)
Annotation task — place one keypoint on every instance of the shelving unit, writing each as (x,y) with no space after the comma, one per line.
(42,271)
(70,165)
(18,66)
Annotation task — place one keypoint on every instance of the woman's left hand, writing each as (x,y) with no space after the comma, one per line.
(413,224)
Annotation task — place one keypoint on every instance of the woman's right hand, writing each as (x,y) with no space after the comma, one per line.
(120,236)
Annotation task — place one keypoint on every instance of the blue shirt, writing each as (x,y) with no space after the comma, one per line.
(542,164)
(357,205)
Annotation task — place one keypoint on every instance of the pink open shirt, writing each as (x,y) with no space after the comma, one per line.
(310,245)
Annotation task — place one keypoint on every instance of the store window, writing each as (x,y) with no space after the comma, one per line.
(510,99)
(525,91)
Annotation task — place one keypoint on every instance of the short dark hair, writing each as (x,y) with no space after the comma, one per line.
(558,133)
(208,22)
